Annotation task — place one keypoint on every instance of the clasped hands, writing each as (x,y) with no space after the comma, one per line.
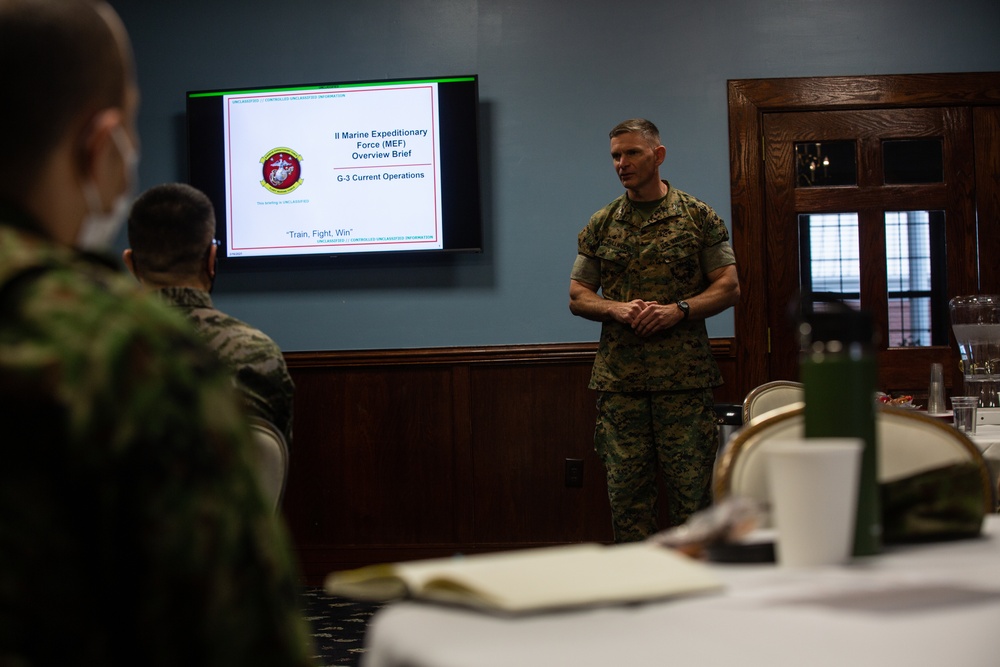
(648,317)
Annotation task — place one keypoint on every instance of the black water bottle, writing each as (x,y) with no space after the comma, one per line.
(837,368)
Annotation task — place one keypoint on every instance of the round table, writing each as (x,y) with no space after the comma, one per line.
(987,438)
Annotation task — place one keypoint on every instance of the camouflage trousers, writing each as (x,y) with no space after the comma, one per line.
(641,432)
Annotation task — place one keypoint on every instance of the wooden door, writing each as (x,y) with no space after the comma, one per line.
(768,254)
(877,206)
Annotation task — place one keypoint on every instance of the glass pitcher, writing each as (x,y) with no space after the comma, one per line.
(976,322)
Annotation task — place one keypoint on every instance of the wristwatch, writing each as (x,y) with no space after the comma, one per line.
(685,308)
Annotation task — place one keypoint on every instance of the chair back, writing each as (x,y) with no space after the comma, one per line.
(270,454)
(909,443)
(769,396)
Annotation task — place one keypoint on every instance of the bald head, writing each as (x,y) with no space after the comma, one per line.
(64,60)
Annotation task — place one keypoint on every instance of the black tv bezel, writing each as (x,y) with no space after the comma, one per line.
(461,214)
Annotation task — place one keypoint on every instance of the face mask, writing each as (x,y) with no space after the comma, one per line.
(100,229)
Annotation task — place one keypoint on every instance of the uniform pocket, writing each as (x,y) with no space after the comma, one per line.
(679,246)
(615,262)
(614,254)
(676,262)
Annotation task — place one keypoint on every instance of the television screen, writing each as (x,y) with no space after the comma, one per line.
(302,173)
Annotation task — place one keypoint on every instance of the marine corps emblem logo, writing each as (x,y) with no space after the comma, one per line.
(282,170)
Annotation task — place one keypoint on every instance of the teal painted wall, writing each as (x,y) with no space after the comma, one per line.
(555,76)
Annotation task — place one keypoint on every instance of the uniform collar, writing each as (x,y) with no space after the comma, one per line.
(187,297)
(626,210)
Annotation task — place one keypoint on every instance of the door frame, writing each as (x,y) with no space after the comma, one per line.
(750,99)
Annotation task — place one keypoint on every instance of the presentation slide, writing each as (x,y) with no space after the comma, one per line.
(333,170)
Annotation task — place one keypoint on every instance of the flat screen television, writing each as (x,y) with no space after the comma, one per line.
(302,174)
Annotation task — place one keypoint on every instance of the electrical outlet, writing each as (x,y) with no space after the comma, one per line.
(574,473)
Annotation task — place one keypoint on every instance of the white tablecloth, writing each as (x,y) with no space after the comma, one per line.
(932,604)
(987,437)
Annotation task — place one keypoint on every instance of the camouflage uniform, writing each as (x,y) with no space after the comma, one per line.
(256,360)
(132,530)
(655,401)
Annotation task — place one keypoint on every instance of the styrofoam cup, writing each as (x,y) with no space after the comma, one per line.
(814,495)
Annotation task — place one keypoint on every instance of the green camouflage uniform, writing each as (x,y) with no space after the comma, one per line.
(655,401)
(255,360)
(132,530)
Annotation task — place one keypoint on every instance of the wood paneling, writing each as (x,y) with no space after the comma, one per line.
(405,454)
(528,421)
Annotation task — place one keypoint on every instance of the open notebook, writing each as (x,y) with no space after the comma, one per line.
(534,579)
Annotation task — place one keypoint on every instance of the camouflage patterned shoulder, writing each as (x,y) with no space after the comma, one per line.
(713,227)
(112,387)
(82,300)
(591,236)
(254,359)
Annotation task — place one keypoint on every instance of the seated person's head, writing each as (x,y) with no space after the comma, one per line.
(68,117)
(170,234)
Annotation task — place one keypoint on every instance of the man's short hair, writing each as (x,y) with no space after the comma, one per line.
(60,61)
(170,229)
(639,126)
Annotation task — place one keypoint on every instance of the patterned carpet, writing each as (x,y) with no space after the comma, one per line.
(338,626)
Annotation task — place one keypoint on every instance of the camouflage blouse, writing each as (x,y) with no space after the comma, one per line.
(256,362)
(664,259)
(131,527)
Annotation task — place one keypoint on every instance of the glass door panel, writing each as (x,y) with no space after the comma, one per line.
(830,258)
(825,163)
(916,278)
(912,161)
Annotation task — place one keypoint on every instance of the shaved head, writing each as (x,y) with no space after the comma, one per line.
(64,60)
